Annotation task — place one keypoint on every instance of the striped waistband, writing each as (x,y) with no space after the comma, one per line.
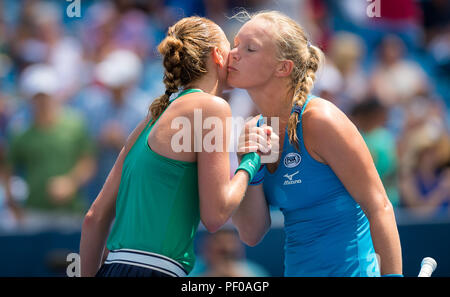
(147,260)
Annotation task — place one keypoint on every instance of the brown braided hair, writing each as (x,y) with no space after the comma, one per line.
(185,51)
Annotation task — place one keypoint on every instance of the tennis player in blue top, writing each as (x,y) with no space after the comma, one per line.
(338,220)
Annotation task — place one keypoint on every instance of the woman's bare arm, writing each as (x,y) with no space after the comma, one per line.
(219,196)
(97,222)
(252,218)
(333,137)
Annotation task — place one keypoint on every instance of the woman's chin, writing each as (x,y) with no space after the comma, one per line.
(233,84)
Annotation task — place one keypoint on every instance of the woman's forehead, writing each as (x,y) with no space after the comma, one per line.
(257,29)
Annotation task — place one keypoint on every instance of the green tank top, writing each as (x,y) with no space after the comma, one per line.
(157,206)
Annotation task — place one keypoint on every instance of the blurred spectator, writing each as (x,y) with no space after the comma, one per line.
(375,19)
(6,62)
(98,30)
(342,81)
(112,107)
(439,48)
(329,82)
(54,154)
(223,255)
(425,186)
(436,21)
(315,17)
(162,16)
(216,11)
(424,151)
(423,116)
(109,27)
(132,33)
(181,8)
(370,117)
(396,80)
(40,38)
(3,119)
(436,18)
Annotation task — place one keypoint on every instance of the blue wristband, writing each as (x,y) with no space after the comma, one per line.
(256,177)
(392,275)
(259,177)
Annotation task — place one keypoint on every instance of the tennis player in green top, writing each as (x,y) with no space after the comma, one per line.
(157,194)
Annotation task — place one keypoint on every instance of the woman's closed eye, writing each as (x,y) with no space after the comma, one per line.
(249,47)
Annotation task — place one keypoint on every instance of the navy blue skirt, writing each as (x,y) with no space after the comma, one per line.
(125,270)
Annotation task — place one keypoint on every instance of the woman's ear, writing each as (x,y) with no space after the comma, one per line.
(284,68)
(217,57)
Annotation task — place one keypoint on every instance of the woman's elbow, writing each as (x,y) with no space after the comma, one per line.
(92,219)
(383,208)
(251,235)
(89,220)
(214,216)
(250,239)
(212,223)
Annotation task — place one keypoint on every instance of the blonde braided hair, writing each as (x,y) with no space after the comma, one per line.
(293,44)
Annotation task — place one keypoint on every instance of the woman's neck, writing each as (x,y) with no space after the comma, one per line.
(208,84)
(273,100)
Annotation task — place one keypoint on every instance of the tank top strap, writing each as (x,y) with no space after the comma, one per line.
(306,102)
(301,109)
(299,125)
(185,92)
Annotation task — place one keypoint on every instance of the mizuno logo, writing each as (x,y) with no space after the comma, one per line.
(290,181)
(289,176)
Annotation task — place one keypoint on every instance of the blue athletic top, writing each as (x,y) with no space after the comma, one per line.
(327,233)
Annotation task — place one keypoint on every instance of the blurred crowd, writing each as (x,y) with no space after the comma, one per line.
(73,88)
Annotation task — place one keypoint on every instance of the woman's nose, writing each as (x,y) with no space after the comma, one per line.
(234,54)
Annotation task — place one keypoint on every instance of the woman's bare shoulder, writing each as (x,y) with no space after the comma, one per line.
(323,123)
(210,105)
(323,112)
